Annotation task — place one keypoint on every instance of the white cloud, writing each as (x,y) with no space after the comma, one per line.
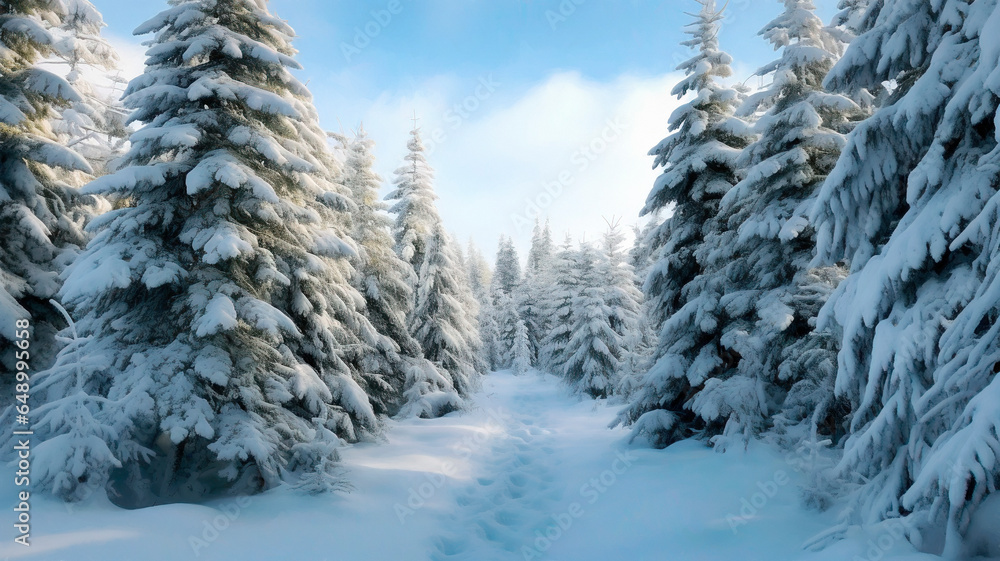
(499,150)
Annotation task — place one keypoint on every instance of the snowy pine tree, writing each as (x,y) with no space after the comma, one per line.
(605,318)
(506,296)
(640,350)
(492,351)
(383,278)
(444,318)
(507,272)
(505,317)
(762,240)
(912,206)
(480,275)
(480,279)
(633,340)
(536,283)
(699,161)
(521,352)
(558,306)
(416,215)
(39,236)
(218,292)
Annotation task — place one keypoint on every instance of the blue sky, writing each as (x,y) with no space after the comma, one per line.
(538,106)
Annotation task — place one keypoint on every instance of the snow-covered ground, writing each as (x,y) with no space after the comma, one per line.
(529,473)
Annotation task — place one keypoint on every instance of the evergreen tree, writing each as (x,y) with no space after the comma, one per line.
(382,277)
(641,349)
(38,233)
(507,272)
(480,275)
(541,248)
(491,351)
(633,339)
(218,293)
(558,307)
(416,215)
(762,239)
(537,282)
(506,295)
(605,318)
(912,206)
(480,279)
(591,365)
(505,317)
(521,352)
(699,161)
(443,320)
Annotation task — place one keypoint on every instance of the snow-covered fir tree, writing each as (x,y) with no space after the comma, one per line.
(413,206)
(480,279)
(590,366)
(558,306)
(383,278)
(480,274)
(39,236)
(491,349)
(444,318)
(605,317)
(761,239)
(506,296)
(699,161)
(521,352)
(505,317)
(912,207)
(218,294)
(507,272)
(633,340)
(536,283)
(641,350)
(445,314)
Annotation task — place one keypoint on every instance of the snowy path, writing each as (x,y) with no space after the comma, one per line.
(529,472)
(517,487)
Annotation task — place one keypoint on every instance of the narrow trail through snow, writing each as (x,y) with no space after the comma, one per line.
(529,472)
(517,486)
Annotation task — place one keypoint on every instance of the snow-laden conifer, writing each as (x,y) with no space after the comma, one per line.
(218,292)
(444,318)
(535,285)
(38,232)
(383,279)
(558,306)
(507,272)
(762,240)
(911,206)
(413,205)
(699,161)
